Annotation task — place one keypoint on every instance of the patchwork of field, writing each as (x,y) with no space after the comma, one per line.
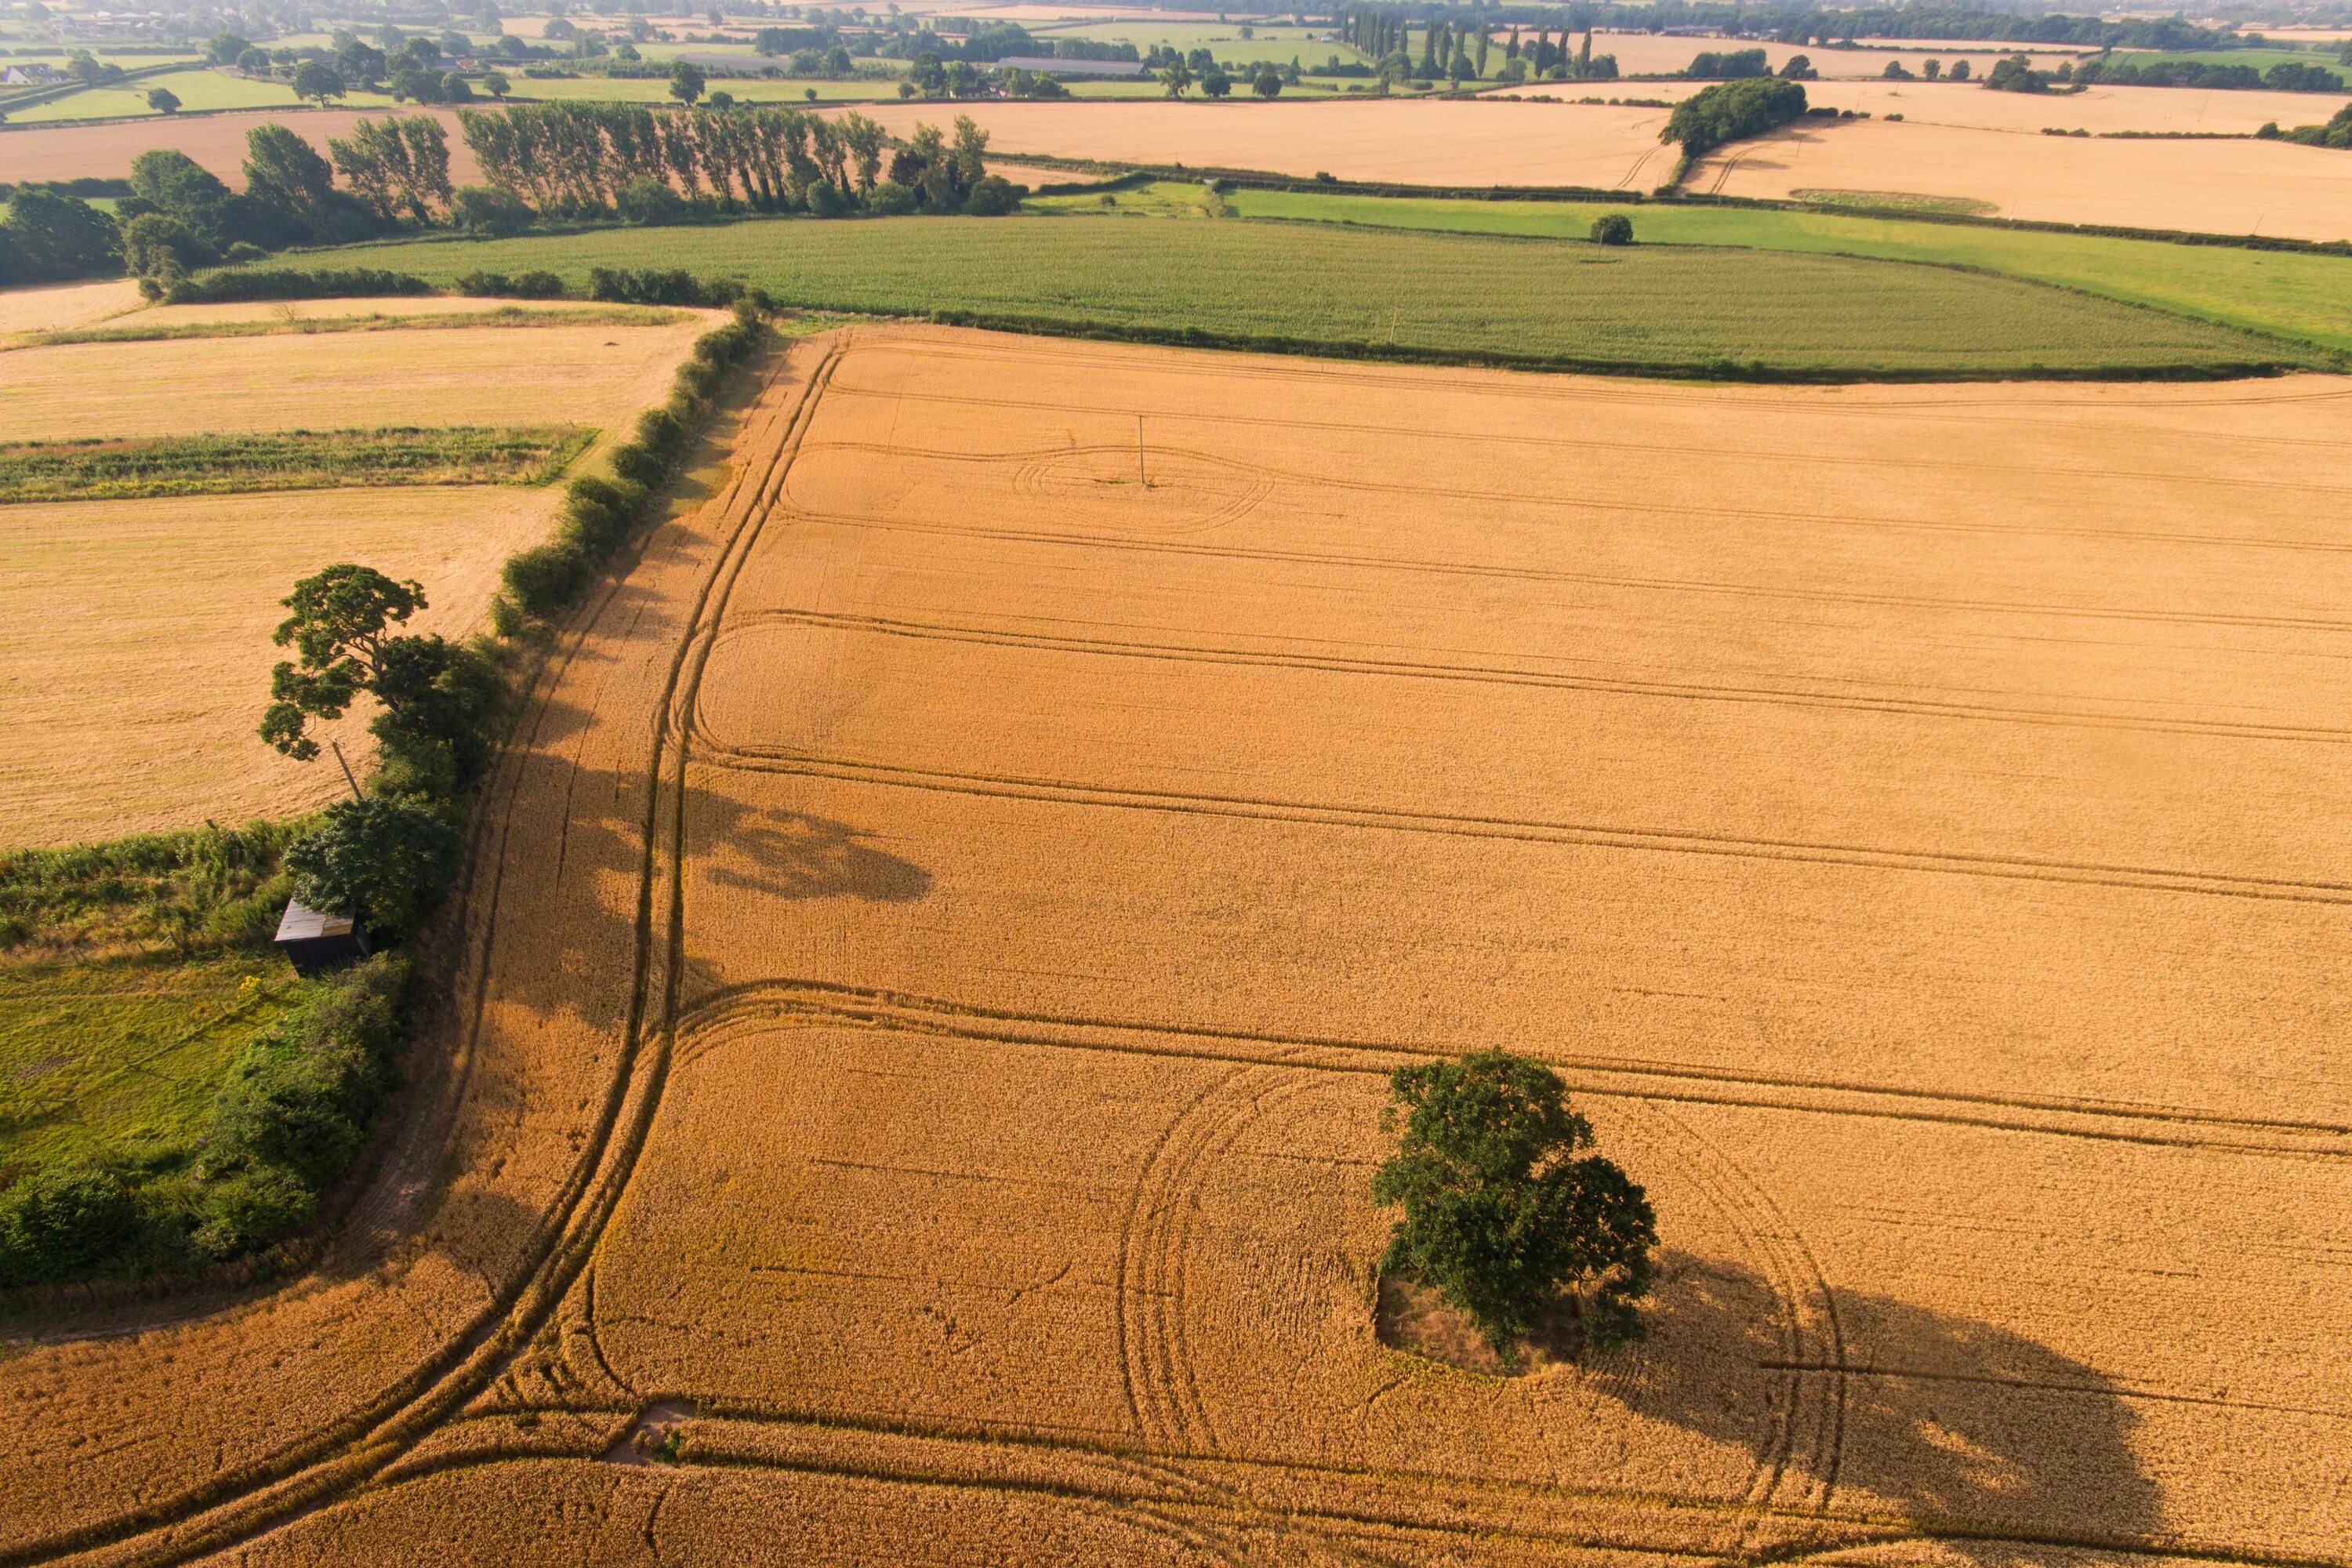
(2202,186)
(1656,54)
(2097,110)
(134,634)
(944,932)
(1481,142)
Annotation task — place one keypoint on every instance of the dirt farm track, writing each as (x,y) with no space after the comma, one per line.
(933,960)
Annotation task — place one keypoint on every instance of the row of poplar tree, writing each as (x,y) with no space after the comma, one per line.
(1461,50)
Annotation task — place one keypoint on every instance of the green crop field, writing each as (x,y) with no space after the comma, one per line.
(655,90)
(197,90)
(1351,290)
(2298,295)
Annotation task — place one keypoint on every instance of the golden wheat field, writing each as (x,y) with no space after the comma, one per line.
(104,148)
(125,710)
(1494,141)
(942,934)
(2239,186)
(2097,110)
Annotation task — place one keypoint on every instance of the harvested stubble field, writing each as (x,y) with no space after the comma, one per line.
(944,933)
(125,708)
(1388,291)
(2233,187)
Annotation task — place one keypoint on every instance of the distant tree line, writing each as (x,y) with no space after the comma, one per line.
(566,160)
(2337,133)
(1795,24)
(2286,76)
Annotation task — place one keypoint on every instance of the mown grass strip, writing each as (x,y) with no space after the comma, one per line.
(286,460)
(374,322)
(1399,293)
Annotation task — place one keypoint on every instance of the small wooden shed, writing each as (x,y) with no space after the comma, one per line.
(312,942)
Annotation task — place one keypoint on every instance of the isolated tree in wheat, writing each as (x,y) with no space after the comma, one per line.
(1506,1212)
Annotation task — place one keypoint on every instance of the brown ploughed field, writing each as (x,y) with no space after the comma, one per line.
(943,934)
(2236,187)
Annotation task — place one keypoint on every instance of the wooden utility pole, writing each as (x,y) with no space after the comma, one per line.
(337,747)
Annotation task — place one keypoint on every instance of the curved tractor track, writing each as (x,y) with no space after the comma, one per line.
(363,1446)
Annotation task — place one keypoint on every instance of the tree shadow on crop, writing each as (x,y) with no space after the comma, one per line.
(794,856)
(1944,1421)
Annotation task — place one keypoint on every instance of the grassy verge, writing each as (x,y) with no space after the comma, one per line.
(286,460)
(374,322)
(1396,293)
(2304,296)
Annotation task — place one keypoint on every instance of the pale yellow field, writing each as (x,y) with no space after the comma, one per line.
(2211,188)
(135,653)
(2096,109)
(57,306)
(1909,817)
(134,635)
(481,376)
(1482,142)
(215,140)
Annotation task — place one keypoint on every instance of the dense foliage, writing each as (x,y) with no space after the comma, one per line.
(2286,76)
(1715,115)
(1506,1211)
(2337,133)
(287,1124)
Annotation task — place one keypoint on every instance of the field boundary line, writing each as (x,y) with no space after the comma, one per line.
(2156,879)
(710,1021)
(313,1473)
(1497,675)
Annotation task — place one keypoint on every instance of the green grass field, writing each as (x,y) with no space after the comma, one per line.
(196,90)
(286,460)
(1223,41)
(655,90)
(131,975)
(305,326)
(2261,59)
(2303,297)
(1310,288)
(122,1053)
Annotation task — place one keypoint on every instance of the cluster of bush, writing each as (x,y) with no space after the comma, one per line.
(288,1120)
(2287,76)
(2337,133)
(1732,110)
(598,513)
(287,1124)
